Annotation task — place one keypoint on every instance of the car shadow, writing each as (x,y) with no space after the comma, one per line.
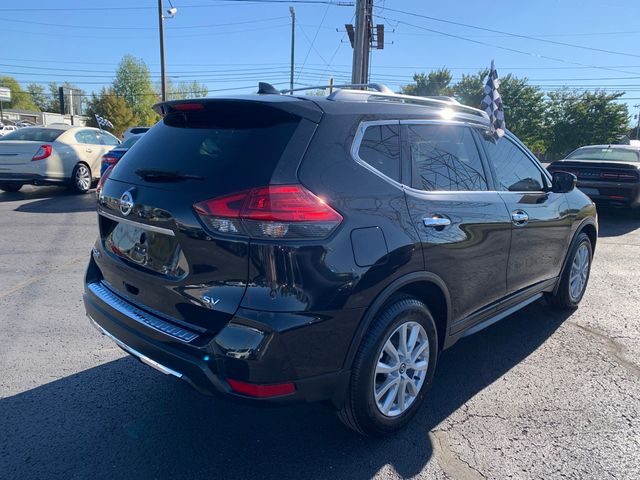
(52,200)
(124,420)
(615,222)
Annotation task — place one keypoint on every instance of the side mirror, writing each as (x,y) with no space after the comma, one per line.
(563,182)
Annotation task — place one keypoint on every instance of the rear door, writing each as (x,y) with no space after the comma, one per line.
(159,252)
(464,227)
(540,219)
(89,149)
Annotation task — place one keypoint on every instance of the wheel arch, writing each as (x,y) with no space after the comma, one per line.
(588,226)
(426,287)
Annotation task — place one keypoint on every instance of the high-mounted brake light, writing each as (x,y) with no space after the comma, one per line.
(188,106)
(103,179)
(261,391)
(43,152)
(275,211)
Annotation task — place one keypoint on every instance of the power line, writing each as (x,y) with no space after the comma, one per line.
(501,47)
(314,40)
(510,34)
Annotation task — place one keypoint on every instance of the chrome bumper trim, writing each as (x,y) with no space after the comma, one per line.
(143,358)
(133,223)
(140,316)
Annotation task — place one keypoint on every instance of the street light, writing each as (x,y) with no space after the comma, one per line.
(171,12)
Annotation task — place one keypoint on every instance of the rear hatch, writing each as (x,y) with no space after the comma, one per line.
(157,252)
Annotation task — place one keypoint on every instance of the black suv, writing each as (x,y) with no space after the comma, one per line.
(276,249)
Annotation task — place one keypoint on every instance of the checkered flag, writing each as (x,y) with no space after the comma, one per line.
(103,122)
(492,104)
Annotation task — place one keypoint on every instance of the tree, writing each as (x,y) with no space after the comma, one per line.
(133,83)
(184,90)
(20,99)
(112,107)
(469,90)
(38,96)
(436,82)
(584,118)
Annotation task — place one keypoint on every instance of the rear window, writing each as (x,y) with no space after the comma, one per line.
(129,142)
(34,134)
(605,154)
(235,144)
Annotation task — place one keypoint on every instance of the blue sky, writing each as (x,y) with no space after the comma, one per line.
(232,45)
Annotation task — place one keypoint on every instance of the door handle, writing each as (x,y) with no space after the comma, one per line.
(436,221)
(519,217)
(88,150)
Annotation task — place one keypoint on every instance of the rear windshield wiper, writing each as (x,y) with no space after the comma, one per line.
(159,175)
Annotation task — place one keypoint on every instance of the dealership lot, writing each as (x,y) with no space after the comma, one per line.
(540,395)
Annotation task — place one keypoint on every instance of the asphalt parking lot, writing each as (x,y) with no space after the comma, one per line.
(539,395)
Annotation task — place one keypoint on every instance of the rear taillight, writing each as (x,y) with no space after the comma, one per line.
(109,159)
(43,152)
(185,107)
(624,176)
(276,211)
(103,179)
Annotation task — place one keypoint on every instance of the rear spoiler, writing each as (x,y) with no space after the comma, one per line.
(292,105)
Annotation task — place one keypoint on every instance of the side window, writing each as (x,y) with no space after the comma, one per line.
(445,157)
(380,148)
(515,171)
(87,136)
(108,139)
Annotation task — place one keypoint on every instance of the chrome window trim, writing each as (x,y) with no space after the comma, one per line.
(140,316)
(133,223)
(355,148)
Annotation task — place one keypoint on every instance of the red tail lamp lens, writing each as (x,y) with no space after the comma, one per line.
(43,152)
(103,179)
(261,391)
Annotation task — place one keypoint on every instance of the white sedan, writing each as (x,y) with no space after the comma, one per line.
(53,155)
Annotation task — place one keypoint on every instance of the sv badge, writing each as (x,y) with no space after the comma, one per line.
(210,301)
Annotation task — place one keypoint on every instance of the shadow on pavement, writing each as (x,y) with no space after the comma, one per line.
(124,420)
(63,202)
(614,222)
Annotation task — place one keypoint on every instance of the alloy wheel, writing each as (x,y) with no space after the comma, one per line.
(579,272)
(83,178)
(401,369)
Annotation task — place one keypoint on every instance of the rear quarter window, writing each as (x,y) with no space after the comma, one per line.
(34,134)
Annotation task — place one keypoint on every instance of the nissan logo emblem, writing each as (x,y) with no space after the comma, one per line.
(126,203)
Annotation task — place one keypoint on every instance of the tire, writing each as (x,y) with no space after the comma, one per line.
(361,411)
(81,179)
(10,187)
(569,294)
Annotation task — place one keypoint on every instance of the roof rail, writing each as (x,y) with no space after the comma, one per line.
(439,101)
(378,87)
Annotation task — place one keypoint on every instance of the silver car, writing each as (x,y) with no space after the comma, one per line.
(53,155)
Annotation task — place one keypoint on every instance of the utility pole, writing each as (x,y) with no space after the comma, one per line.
(163,78)
(293,44)
(638,126)
(362,37)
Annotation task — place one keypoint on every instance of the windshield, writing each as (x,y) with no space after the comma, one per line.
(605,154)
(34,134)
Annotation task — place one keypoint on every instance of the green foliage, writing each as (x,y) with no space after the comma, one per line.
(469,89)
(184,90)
(20,99)
(38,96)
(133,83)
(112,107)
(437,82)
(577,119)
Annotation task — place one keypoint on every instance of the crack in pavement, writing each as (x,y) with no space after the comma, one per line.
(449,462)
(616,349)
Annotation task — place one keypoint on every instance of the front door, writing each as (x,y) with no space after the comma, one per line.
(541,226)
(464,228)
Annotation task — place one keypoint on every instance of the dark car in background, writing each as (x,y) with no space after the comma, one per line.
(276,249)
(608,174)
(112,157)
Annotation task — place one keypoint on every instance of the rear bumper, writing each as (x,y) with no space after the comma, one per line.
(29,179)
(619,193)
(206,362)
